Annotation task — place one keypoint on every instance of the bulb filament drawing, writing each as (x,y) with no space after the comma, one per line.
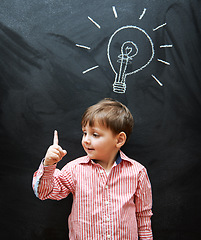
(125,58)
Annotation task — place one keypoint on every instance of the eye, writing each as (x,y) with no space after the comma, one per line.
(84,133)
(96,135)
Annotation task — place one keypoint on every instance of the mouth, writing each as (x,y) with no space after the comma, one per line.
(89,149)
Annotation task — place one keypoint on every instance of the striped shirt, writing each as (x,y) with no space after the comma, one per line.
(115,205)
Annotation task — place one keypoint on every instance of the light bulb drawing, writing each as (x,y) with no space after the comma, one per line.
(126,57)
(130,49)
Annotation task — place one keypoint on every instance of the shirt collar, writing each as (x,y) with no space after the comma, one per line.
(118,160)
(120,156)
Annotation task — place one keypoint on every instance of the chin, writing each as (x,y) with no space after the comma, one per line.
(90,155)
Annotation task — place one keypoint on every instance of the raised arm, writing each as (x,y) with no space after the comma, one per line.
(49,182)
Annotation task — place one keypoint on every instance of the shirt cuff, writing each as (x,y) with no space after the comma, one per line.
(48,171)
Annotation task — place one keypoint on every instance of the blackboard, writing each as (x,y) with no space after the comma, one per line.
(56,61)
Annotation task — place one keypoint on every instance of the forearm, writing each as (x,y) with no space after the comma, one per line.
(144,225)
(47,183)
(143,201)
(43,181)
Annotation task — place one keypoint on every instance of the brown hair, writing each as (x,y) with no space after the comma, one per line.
(111,114)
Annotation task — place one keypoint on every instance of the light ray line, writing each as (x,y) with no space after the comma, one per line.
(97,25)
(142,15)
(159,26)
(157,80)
(115,12)
(82,46)
(166,46)
(162,61)
(92,68)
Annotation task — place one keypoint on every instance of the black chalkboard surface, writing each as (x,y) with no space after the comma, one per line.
(59,57)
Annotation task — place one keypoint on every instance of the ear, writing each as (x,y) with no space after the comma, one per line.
(121,139)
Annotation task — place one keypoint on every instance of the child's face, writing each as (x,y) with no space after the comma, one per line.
(99,142)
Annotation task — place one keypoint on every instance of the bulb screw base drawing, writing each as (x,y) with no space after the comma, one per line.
(119,87)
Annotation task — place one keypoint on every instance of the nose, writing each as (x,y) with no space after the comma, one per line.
(86,139)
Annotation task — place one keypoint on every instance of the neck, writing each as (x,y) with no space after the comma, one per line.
(107,165)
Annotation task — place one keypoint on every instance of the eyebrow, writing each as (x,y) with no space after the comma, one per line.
(94,129)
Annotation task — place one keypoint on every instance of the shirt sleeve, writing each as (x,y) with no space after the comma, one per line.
(51,183)
(143,202)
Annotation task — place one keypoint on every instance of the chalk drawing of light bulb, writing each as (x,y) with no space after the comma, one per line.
(136,52)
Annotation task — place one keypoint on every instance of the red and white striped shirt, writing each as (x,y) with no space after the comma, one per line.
(113,206)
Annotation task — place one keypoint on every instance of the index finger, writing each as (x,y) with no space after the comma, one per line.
(56,138)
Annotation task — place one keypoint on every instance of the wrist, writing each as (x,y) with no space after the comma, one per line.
(48,162)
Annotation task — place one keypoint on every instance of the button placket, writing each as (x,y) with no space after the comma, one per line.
(108,210)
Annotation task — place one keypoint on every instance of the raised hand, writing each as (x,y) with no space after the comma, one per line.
(55,152)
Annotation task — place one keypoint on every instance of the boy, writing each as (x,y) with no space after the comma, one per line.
(112,196)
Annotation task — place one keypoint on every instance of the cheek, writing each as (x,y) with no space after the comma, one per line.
(99,143)
(82,141)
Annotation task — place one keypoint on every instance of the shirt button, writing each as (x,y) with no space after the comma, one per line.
(106,202)
(106,186)
(108,236)
(107,219)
